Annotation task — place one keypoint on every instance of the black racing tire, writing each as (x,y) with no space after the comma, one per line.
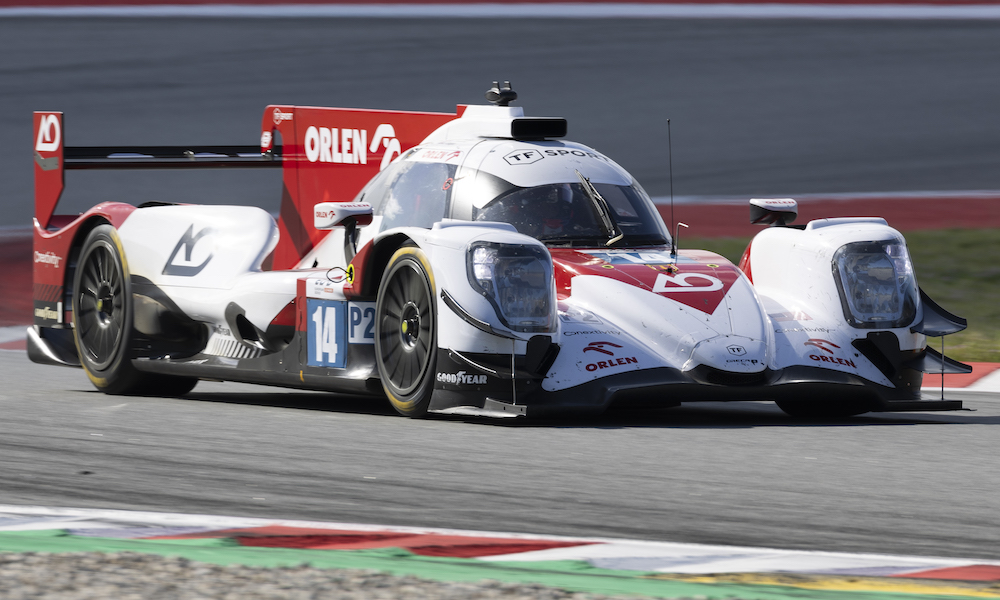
(824,408)
(406,332)
(102,321)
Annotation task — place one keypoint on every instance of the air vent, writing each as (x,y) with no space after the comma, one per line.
(537,128)
(718,377)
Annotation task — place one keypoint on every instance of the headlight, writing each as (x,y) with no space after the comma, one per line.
(517,280)
(876,283)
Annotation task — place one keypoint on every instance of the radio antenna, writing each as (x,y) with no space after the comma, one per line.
(670,171)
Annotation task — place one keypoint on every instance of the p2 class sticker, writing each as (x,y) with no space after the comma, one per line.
(327,333)
(361,322)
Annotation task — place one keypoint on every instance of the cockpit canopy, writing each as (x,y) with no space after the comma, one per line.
(557,203)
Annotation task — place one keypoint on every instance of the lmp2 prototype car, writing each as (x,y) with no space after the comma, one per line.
(468,263)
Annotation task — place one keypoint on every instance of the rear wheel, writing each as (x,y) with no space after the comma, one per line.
(102,321)
(406,333)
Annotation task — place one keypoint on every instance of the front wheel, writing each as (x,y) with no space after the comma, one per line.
(406,332)
(102,321)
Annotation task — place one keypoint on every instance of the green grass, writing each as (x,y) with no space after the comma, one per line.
(958,268)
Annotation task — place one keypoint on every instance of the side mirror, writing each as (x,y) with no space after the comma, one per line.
(330,215)
(777,212)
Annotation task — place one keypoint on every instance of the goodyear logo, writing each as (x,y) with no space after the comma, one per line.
(461,378)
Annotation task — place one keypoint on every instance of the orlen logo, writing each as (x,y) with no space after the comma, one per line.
(461,378)
(385,134)
(350,146)
(602,348)
(49,134)
(826,346)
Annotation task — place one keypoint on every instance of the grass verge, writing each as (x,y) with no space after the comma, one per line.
(958,268)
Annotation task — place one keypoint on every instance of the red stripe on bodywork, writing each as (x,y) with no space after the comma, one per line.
(688,282)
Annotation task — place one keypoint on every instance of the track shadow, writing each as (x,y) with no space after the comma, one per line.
(712,415)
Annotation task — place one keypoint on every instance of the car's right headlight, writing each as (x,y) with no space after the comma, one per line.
(517,280)
(876,283)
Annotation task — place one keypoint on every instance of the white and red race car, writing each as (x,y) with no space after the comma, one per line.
(467,263)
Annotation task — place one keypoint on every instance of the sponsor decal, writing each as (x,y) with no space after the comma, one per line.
(323,288)
(281,116)
(828,346)
(47,313)
(795,315)
(184,267)
(602,348)
(523,157)
(805,329)
(635,258)
(265,139)
(461,378)
(49,134)
(334,145)
(437,155)
(575,152)
(569,313)
(686,282)
(350,146)
(48,258)
(593,332)
(824,345)
(736,350)
(385,135)
(746,362)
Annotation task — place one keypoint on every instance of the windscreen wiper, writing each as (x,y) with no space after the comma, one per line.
(603,211)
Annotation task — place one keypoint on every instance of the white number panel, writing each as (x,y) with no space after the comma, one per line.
(327,333)
(361,322)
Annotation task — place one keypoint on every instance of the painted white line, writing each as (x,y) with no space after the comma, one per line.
(602,552)
(989,383)
(13,334)
(540,10)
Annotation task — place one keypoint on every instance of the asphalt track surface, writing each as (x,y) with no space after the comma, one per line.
(757,107)
(736,474)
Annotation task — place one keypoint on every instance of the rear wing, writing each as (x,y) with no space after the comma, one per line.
(53,158)
(326,155)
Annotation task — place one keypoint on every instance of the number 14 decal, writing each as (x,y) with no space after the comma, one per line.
(327,342)
(333,324)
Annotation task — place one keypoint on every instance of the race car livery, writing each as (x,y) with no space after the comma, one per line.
(469,263)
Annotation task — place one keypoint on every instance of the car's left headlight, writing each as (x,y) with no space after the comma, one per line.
(876,284)
(517,280)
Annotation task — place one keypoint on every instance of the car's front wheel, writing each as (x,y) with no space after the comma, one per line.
(406,332)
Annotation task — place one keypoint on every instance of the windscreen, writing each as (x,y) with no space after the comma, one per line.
(565,214)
